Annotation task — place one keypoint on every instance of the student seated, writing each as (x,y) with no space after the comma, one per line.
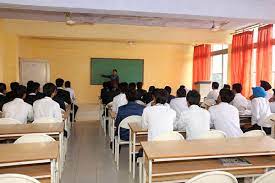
(61,92)
(227,86)
(47,107)
(266,86)
(140,92)
(12,94)
(131,108)
(148,97)
(37,88)
(169,90)
(179,104)
(31,96)
(224,116)
(260,110)
(272,102)
(3,98)
(195,120)
(240,102)
(214,93)
(159,118)
(29,86)
(120,99)
(17,108)
(132,86)
(73,98)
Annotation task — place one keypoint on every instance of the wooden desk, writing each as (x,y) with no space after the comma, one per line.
(28,155)
(52,129)
(136,135)
(203,154)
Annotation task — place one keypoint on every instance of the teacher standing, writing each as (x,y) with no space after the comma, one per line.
(113,77)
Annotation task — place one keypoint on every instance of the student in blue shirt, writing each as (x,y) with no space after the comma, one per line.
(132,108)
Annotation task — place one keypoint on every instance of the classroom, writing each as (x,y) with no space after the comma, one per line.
(137,91)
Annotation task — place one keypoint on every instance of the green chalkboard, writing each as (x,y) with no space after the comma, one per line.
(129,70)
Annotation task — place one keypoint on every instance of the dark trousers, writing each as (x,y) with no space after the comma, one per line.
(74,111)
(257,127)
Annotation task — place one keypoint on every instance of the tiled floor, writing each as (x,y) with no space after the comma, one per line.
(90,160)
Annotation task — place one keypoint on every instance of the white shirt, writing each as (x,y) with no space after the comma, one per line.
(47,108)
(118,101)
(158,119)
(19,110)
(225,117)
(260,110)
(72,95)
(179,105)
(241,103)
(272,107)
(195,121)
(268,95)
(213,95)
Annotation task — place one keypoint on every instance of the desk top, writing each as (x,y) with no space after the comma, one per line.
(210,148)
(136,128)
(11,153)
(31,128)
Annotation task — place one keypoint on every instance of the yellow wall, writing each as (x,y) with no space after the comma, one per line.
(164,64)
(2,51)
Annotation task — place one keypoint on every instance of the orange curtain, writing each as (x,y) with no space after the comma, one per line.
(241,56)
(264,54)
(201,63)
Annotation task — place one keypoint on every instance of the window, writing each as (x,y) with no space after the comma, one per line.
(219,63)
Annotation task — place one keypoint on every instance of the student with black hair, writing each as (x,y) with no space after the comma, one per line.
(31,95)
(132,86)
(158,118)
(195,120)
(140,92)
(148,97)
(120,99)
(240,102)
(47,107)
(169,91)
(37,88)
(3,98)
(131,108)
(73,99)
(29,86)
(61,92)
(227,86)
(12,94)
(267,87)
(225,117)
(17,108)
(214,93)
(179,104)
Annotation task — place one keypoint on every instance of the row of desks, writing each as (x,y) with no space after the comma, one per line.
(39,160)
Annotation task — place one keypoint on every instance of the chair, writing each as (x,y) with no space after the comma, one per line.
(46,120)
(214,177)
(17,178)
(9,121)
(268,177)
(124,124)
(105,118)
(169,136)
(33,138)
(214,134)
(254,133)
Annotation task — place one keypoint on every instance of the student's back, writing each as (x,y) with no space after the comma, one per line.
(3,98)
(260,110)
(12,94)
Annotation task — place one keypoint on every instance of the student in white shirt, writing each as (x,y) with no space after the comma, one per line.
(214,93)
(17,108)
(120,99)
(159,118)
(240,102)
(195,120)
(272,102)
(267,87)
(73,98)
(179,104)
(224,116)
(47,107)
(260,110)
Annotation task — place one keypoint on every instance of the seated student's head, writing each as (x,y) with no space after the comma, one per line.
(14,86)
(193,97)
(3,88)
(123,87)
(105,84)
(114,72)
(215,85)
(21,92)
(258,92)
(36,86)
(168,89)
(161,96)
(265,85)
(226,86)
(132,86)
(131,95)
(226,96)
(151,89)
(59,82)
(67,84)
(182,87)
(32,89)
(181,92)
(139,85)
(237,88)
(49,89)
(29,85)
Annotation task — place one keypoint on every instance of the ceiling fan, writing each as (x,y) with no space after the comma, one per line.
(217,27)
